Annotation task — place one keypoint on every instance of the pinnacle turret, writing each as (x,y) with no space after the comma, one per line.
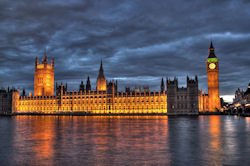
(101,74)
(88,85)
(162,85)
(45,58)
(211,51)
(211,45)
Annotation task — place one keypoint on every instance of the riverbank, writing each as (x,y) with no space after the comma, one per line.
(130,114)
(107,114)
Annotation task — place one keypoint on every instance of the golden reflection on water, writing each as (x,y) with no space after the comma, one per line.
(42,139)
(214,130)
(248,123)
(129,140)
(36,142)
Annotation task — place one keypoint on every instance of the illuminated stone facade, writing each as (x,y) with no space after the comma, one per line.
(203,101)
(107,99)
(44,77)
(211,101)
(101,84)
(94,102)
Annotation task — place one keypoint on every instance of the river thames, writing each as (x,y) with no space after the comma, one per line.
(123,140)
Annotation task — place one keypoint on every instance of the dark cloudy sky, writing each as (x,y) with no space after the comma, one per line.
(140,41)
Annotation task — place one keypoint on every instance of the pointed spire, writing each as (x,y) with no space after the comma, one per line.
(36,63)
(81,88)
(45,58)
(101,65)
(211,51)
(162,85)
(211,44)
(23,92)
(53,62)
(101,75)
(88,85)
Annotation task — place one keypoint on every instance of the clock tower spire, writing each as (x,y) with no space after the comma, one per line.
(213,80)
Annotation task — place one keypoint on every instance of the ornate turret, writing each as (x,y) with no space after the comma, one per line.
(45,58)
(88,85)
(81,88)
(24,94)
(162,85)
(211,51)
(101,81)
(112,86)
(61,89)
(44,77)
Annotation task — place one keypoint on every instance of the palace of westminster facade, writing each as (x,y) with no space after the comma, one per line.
(106,99)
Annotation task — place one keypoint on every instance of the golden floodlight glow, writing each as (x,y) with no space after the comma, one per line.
(44,78)
(95,103)
(105,100)
(211,101)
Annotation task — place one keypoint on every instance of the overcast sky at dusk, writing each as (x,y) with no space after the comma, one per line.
(140,41)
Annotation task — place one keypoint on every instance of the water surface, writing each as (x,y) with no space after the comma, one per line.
(145,140)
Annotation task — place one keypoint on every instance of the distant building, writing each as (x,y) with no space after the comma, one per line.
(242,99)
(247,97)
(182,100)
(238,98)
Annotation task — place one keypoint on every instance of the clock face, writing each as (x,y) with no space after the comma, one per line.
(212,66)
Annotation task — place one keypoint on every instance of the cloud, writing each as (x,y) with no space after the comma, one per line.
(139,41)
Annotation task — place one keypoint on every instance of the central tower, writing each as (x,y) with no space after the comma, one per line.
(213,80)
(101,81)
(44,77)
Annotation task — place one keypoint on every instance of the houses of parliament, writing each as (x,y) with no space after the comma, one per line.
(106,99)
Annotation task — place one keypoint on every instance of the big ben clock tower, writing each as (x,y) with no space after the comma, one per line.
(213,80)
